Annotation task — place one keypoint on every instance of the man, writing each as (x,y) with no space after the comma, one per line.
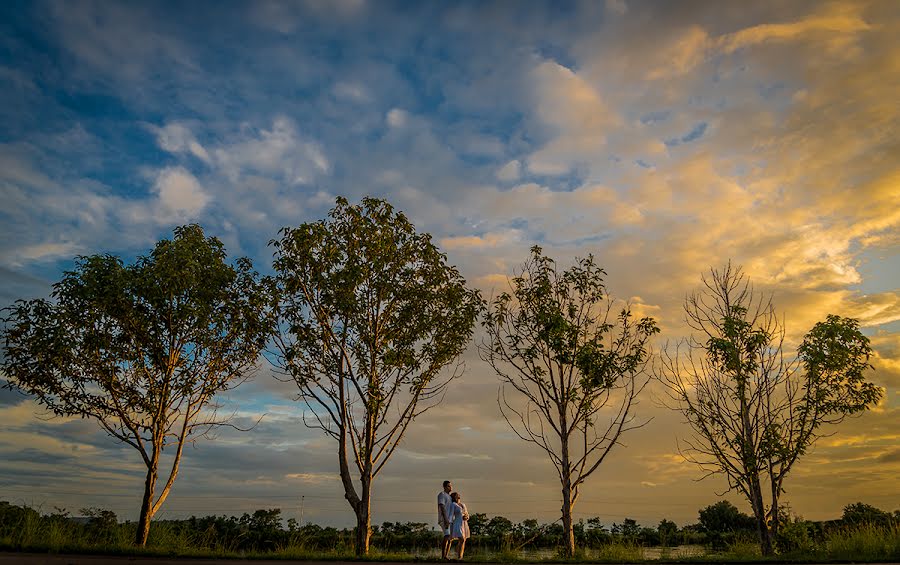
(444,506)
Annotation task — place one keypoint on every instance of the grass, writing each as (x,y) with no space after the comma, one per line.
(871,543)
(29,531)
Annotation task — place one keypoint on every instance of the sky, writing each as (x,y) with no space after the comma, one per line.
(663,137)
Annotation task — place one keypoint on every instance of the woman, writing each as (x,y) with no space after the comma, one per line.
(459,526)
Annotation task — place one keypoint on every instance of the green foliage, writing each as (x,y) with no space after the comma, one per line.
(667,531)
(835,355)
(141,348)
(363,294)
(555,340)
(864,543)
(755,411)
(859,514)
(371,314)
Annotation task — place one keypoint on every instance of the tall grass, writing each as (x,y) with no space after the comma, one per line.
(25,529)
(864,543)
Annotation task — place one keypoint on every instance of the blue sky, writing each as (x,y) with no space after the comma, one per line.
(664,138)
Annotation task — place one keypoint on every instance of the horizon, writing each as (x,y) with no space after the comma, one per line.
(664,139)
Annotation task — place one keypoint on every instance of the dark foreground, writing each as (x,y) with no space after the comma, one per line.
(48,559)
(58,559)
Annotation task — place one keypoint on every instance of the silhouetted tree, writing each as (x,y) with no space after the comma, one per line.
(577,368)
(667,531)
(859,513)
(753,413)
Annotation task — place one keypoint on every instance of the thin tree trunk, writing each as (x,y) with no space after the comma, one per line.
(143,529)
(364,518)
(566,480)
(568,529)
(759,512)
(751,467)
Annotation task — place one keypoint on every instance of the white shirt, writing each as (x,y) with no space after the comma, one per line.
(445,500)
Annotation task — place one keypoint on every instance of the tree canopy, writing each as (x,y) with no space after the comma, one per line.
(572,364)
(142,348)
(754,409)
(370,314)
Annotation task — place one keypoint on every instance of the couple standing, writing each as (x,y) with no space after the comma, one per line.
(453,518)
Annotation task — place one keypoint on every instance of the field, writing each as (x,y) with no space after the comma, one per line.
(261,536)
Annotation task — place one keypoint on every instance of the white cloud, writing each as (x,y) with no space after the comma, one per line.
(176,138)
(181,197)
(397,118)
(510,171)
(278,152)
(576,115)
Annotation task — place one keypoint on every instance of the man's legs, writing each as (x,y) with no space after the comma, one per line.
(445,547)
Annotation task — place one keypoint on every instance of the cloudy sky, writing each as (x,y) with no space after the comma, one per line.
(662,137)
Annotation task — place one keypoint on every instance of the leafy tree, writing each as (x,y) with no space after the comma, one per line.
(142,348)
(371,315)
(752,412)
(478,524)
(859,513)
(628,529)
(499,527)
(577,369)
(724,517)
(667,531)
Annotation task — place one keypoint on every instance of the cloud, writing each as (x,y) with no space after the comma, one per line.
(764,135)
(278,152)
(576,115)
(396,118)
(180,195)
(177,138)
(510,171)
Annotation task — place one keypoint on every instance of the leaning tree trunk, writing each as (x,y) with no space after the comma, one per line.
(143,529)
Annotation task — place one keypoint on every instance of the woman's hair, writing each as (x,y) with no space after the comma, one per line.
(454,496)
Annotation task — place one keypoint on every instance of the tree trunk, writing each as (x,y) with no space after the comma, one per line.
(363,530)
(568,529)
(751,468)
(143,529)
(566,480)
(364,518)
(759,512)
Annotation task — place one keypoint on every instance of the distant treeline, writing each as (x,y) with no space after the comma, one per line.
(719,525)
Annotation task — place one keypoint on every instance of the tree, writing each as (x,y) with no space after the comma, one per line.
(552,341)
(142,348)
(667,531)
(753,412)
(371,314)
(724,517)
(478,524)
(859,513)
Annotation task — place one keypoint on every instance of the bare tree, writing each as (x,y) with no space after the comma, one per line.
(753,411)
(371,314)
(575,369)
(143,348)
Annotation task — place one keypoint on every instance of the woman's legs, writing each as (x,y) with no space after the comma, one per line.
(462,547)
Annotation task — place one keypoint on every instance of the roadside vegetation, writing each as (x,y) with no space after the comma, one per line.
(723,533)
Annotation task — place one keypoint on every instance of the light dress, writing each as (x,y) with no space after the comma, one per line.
(459,528)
